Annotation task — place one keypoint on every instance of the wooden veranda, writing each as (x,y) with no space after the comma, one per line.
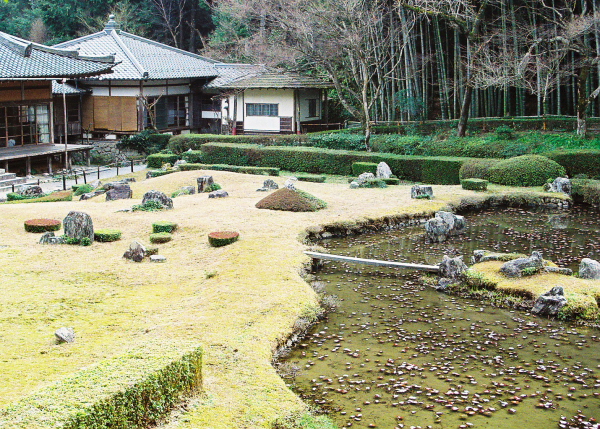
(29,153)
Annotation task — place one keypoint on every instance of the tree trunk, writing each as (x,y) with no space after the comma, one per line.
(464,111)
(583,101)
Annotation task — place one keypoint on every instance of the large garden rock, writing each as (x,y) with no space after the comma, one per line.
(159,197)
(421,191)
(452,269)
(136,252)
(204,182)
(550,303)
(383,171)
(121,191)
(268,185)
(32,191)
(560,184)
(444,225)
(218,194)
(589,269)
(290,183)
(50,238)
(516,267)
(78,225)
(65,335)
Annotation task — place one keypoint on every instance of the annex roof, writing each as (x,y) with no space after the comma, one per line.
(261,78)
(67,89)
(22,59)
(140,58)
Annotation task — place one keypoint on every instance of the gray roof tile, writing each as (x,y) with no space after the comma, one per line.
(270,79)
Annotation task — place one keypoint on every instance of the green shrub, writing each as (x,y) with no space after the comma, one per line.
(263,171)
(185,142)
(42,225)
(83,189)
(157,173)
(222,238)
(474,184)
(145,142)
(15,196)
(391,181)
(578,162)
(85,241)
(160,237)
(212,187)
(399,144)
(373,183)
(336,141)
(359,168)
(477,168)
(158,142)
(526,170)
(107,235)
(158,159)
(286,199)
(192,156)
(435,170)
(586,190)
(148,206)
(311,178)
(49,198)
(504,132)
(164,226)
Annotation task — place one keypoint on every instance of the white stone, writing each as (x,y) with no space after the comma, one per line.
(65,335)
(158,258)
(383,171)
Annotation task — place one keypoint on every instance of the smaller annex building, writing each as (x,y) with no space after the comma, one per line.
(27,110)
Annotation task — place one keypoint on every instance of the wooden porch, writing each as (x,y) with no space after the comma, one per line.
(28,153)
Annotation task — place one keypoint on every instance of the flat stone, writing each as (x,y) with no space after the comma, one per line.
(589,269)
(120,191)
(515,267)
(158,258)
(558,270)
(65,335)
(218,194)
(50,238)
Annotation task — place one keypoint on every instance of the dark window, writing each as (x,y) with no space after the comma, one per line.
(312,108)
(25,124)
(262,109)
(169,111)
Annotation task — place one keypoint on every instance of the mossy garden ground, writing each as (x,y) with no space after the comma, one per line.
(237,302)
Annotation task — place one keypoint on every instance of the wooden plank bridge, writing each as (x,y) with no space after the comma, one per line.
(375,262)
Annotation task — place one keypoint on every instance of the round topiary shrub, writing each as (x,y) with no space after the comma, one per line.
(42,225)
(477,168)
(291,200)
(164,226)
(526,170)
(107,235)
(222,238)
(160,237)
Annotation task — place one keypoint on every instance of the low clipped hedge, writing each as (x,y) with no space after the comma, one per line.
(435,170)
(359,168)
(107,235)
(222,238)
(135,390)
(578,162)
(311,178)
(526,170)
(474,184)
(158,159)
(586,190)
(157,173)
(194,156)
(391,181)
(42,225)
(263,171)
(164,226)
(477,168)
(160,237)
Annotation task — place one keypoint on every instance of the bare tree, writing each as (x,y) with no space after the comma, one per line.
(38,32)
(172,17)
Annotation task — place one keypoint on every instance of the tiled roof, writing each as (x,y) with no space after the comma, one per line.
(229,73)
(142,58)
(271,79)
(21,59)
(65,88)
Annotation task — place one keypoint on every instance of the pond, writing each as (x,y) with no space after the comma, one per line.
(397,354)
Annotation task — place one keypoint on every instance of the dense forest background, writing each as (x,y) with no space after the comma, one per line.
(388,59)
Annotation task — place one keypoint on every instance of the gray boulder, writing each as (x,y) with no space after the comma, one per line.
(560,184)
(290,183)
(50,238)
(120,191)
(558,270)
(218,194)
(515,267)
(179,162)
(453,269)
(550,303)
(354,184)
(78,225)
(444,225)
(589,269)
(365,177)
(136,252)
(421,191)
(159,197)
(204,182)
(268,185)
(65,335)
(32,191)
(383,171)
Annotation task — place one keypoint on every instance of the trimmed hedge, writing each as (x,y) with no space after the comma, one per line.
(158,159)
(391,181)
(160,237)
(586,190)
(435,170)
(164,226)
(526,170)
(107,235)
(184,142)
(135,390)
(42,225)
(157,173)
(311,178)
(50,198)
(359,168)
(474,184)
(222,238)
(263,171)
(578,162)
(477,168)
(194,156)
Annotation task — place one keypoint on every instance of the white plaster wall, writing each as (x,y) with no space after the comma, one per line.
(283,97)
(132,88)
(304,96)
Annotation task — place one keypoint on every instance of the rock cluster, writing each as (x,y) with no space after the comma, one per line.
(204,182)
(158,196)
(550,303)
(516,267)
(268,185)
(136,252)
(290,183)
(218,194)
(560,184)
(452,270)
(444,225)
(421,191)
(361,180)
(50,238)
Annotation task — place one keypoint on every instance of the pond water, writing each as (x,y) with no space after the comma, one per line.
(397,354)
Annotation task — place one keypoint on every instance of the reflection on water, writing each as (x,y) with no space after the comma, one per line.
(397,354)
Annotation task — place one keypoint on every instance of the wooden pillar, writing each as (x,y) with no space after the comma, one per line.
(6,166)
(28,166)
(49,164)
(87,158)
(297,111)
(325,107)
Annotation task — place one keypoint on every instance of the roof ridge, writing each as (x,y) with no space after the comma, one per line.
(80,39)
(116,37)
